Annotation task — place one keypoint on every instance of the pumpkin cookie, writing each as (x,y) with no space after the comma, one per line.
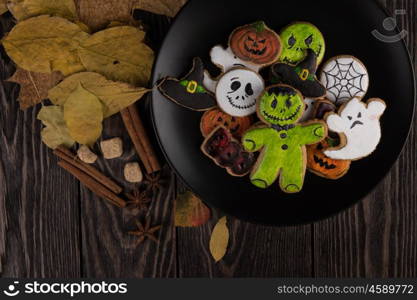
(282,140)
(297,38)
(256,43)
(215,118)
(228,153)
(189,91)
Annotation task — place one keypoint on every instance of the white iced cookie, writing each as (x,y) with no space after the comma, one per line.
(359,125)
(345,77)
(309,110)
(226,60)
(237,92)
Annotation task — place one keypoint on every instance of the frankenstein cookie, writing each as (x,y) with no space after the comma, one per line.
(256,43)
(359,127)
(228,153)
(282,140)
(297,38)
(237,92)
(189,91)
(344,77)
(301,76)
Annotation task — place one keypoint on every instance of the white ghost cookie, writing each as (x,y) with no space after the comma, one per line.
(359,125)
(345,77)
(226,60)
(309,110)
(237,92)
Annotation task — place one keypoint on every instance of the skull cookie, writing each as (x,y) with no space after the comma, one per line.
(237,92)
(297,38)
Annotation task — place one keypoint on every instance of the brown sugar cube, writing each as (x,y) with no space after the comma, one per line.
(86,155)
(133,173)
(112,148)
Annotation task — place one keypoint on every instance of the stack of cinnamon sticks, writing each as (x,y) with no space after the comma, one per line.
(140,139)
(89,176)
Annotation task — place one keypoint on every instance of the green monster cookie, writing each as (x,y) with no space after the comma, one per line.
(297,38)
(282,141)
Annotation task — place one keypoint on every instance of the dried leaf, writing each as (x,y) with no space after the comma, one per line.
(119,54)
(190,211)
(56,131)
(83,114)
(34,86)
(3,6)
(219,240)
(45,44)
(115,96)
(97,14)
(162,7)
(24,9)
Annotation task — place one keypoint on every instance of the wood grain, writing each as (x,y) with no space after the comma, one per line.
(377,238)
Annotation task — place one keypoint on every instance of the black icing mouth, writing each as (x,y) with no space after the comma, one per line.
(356,123)
(240,106)
(238,65)
(323,163)
(276,119)
(255,52)
(289,61)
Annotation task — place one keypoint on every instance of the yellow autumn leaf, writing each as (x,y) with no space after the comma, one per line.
(3,6)
(83,114)
(56,131)
(24,9)
(219,240)
(119,54)
(162,7)
(45,44)
(115,96)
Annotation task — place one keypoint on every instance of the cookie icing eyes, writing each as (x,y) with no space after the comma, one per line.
(237,92)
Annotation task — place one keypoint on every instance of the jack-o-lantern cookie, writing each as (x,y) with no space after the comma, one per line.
(359,127)
(237,92)
(256,43)
(282,139)
(345,77)
(189,92)
(321,165)
(215,118)
(297,38)
(228,153)
(301,76)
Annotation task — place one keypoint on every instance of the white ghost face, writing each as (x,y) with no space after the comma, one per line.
(227,60)
(237,92)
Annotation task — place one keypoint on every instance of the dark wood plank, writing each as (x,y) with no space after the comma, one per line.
(107,249)
(377,238)
(254,251)
(39,226)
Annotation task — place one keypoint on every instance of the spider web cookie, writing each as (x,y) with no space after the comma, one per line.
(345,77)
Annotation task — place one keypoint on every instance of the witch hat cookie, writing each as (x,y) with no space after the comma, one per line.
(189,91)
(302,76)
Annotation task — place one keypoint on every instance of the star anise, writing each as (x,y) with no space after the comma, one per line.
(138,200)
(145,232)
(153,183)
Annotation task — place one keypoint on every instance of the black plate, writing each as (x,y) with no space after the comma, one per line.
(347,27)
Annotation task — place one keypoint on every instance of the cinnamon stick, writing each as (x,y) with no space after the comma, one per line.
(66,155)
(140,139)
(96,187)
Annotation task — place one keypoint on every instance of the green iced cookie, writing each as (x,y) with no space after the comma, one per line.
(282,141)
(297,38)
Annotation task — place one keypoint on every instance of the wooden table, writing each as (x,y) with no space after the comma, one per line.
(50,226)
